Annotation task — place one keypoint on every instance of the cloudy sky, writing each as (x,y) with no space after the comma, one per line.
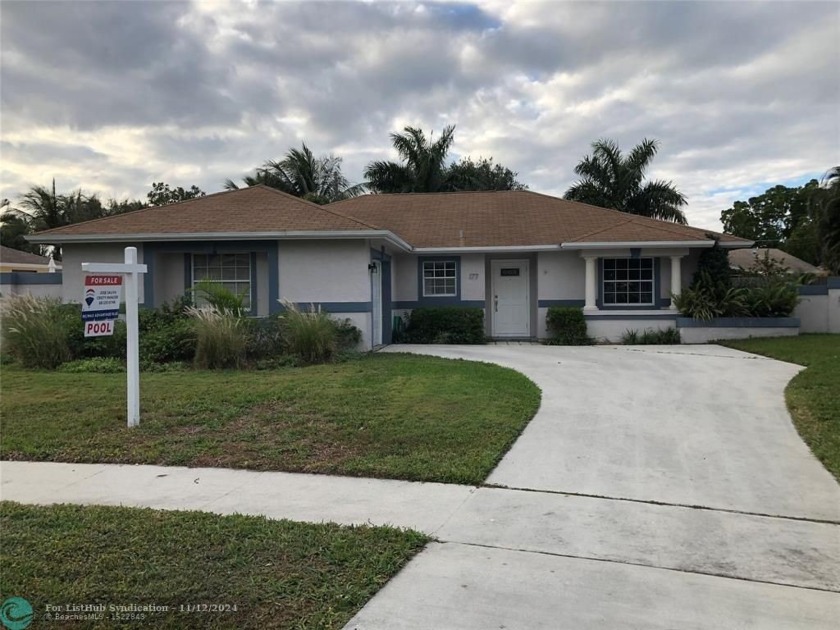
(112,96)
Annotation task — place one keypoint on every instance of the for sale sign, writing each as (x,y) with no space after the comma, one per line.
(99,329)
(102,297)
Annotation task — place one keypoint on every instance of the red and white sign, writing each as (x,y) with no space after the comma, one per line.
(102,297)
(100,328)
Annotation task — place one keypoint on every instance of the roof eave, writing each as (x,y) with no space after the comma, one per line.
(221,236)
(652,244)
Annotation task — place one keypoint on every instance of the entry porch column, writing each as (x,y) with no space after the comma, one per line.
(591,283)
(676,279)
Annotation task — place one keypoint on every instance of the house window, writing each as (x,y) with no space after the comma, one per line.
(232,271)
(439,278)
(628,281)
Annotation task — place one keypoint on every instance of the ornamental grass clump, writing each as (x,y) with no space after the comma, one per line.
(34,333)
(311,335)
(221,337)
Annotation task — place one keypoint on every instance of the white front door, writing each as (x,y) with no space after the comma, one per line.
(376,302)
(511,300)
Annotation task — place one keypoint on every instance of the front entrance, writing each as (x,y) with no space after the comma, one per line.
(511,316)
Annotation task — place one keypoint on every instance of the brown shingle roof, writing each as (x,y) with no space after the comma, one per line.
(508,218)
(12,256)
(253,209)
(465,219)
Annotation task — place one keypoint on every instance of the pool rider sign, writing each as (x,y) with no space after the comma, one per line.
(101,304)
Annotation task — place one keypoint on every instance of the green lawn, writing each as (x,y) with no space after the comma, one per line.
(384,415)
(813,396)
(277,574)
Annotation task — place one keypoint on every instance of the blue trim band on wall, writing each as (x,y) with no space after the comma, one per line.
(332,307)
(187,272)
(24,277)
(739,322)
(550,303)
(813,289)
(631,318)
(273,254)
(376,254)
(447,302)
(833,282)
(149,255)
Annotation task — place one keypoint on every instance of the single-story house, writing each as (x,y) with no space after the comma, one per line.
(24,273)
(512,253)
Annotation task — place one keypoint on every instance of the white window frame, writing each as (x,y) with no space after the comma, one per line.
(453,277)
(637,281)
(223,282)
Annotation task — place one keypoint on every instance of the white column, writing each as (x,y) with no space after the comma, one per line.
(591,283)
(676,278)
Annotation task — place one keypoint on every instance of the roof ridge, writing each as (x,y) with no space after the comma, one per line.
(598,231)
(146,209)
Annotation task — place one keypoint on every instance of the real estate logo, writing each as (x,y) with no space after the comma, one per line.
(16,613)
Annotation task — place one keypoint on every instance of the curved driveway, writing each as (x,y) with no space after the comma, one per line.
(656,488)
(684,425)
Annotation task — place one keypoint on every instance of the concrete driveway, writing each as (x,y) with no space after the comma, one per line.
(657,487)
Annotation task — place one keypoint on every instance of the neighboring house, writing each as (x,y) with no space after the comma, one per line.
(26,273)
(14,260)
(745,259)
(512,253)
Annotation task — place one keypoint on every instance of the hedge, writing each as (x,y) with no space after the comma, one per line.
(444,324)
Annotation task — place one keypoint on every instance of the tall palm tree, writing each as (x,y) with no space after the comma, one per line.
(423,167)
(612,180)
(826,215)
(15,225)
(44,206)
(300,173)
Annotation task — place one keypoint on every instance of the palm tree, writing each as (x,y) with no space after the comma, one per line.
(44,206)
(611,180)
(424,167)
(826,215)
(301,174)
(15,225)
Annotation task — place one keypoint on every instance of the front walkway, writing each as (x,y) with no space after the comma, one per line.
(636,504)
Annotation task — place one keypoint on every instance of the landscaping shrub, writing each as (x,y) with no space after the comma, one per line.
(348,337)
(266,338)
(312,335)
(707,299)
(445,324)
(82,347)
(34,333)
(649,336)
(775,298)
(219,297)
(566,327)
(221,338)
(168,341)
(713,265)
(102,365)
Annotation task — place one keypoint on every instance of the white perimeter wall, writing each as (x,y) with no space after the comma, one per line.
(73,255)
(819,313)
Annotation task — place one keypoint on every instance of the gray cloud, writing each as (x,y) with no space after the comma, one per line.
(739,94)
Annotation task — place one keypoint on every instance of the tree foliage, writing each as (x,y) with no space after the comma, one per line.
(163,194)
(300,173)
(610,179)
(423,167)
(783,217)
(41,208)
(825,214)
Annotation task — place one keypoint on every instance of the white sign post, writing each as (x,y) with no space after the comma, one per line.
(131,271)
